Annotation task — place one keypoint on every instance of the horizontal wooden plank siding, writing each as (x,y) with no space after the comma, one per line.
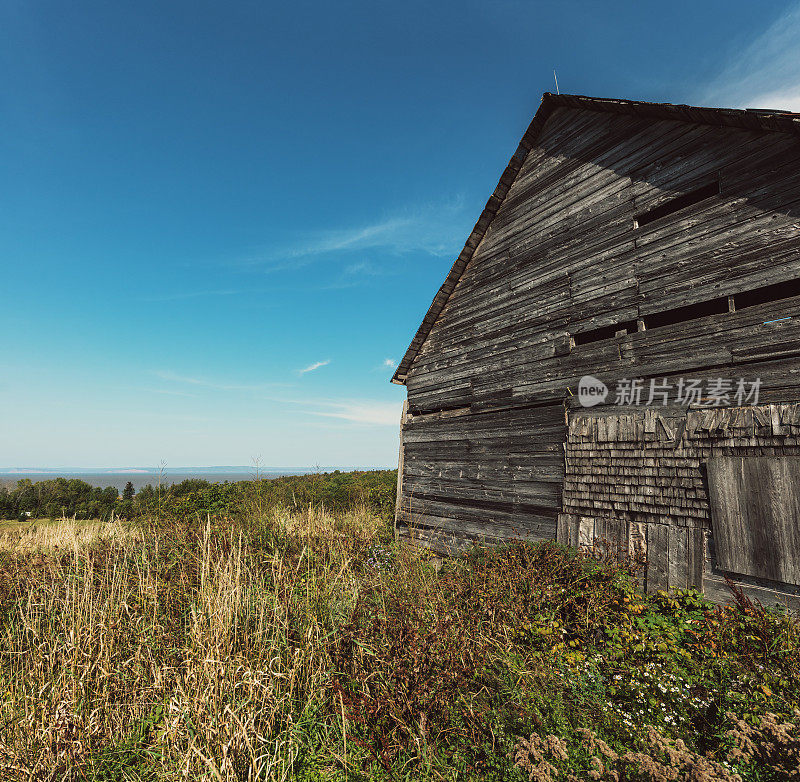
(495,474)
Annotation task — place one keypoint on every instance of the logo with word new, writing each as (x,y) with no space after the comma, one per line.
(591,391)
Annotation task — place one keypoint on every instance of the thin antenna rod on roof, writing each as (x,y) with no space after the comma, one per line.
(556,78)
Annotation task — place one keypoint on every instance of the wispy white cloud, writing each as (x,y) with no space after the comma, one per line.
(766,73)
(390,363)
(169,392)
(360,274)
(362,411)
(362,268)
(312,367)
(436,229)
(174,377)
(376,413)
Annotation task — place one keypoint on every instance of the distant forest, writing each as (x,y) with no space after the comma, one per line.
(72,497)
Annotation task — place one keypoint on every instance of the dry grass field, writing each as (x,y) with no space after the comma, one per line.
(48,535)
(284,646)
(167,652)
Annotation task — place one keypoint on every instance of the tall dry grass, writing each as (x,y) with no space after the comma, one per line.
(49,536)
(186,652)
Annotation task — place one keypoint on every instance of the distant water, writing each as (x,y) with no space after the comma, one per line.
(141,478)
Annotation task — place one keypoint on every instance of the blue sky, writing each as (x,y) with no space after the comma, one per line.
(221,223)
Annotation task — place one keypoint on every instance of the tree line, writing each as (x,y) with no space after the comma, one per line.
(74,498)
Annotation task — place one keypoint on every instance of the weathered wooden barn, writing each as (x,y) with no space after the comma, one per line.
(655,248)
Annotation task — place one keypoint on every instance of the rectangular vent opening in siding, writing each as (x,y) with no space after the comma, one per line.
(604,332)
(689,312)
(676,204)
(776,292)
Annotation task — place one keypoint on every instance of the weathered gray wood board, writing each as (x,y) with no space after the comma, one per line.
(755,513)
(401,462)
(558,251)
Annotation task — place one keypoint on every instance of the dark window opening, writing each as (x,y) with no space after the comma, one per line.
(689,312)
(604,332)
(676,204)
(439,409)
(781,290)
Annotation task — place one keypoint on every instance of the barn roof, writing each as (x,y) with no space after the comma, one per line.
(749,119)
